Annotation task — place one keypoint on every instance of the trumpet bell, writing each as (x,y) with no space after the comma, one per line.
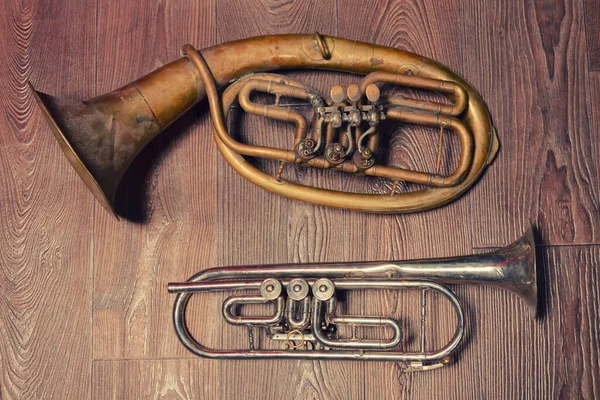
(521,272)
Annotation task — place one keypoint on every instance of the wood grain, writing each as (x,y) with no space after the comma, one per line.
(529,64)
(167,197)
(237,19)
(592,33)
(594,112)
(150,379)
(84,310)
(45,211)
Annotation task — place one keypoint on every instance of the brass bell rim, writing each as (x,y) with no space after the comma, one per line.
(82,170)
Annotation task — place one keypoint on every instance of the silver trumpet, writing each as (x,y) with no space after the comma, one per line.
(305,320)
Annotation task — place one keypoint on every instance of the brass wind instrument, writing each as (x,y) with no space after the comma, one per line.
(102,135)
(306,322)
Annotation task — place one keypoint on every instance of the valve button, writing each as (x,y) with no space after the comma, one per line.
(373,93)
(323,289)
(337,94)
(270,289)
(297,289)
(354,92)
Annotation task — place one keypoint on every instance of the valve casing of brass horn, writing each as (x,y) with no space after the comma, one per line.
(101,136)
(306,319)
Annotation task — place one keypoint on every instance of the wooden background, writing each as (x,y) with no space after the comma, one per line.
(84,310)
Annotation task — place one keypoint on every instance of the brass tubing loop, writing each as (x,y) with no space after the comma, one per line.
(102,135)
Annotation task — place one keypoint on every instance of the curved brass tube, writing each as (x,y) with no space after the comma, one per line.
(292,306)
(233,301)
(331,317)
(438,120)
(282,114)
(355,201)
(459,94)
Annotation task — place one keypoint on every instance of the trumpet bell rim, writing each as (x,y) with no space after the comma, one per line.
(530,294)
(83,172)
(521,278)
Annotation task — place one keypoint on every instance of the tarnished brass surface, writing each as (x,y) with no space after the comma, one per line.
(305,320)
(101,136)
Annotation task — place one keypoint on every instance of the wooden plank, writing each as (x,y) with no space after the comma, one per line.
(592,33)
(594,112)
(427,28)
(167,197)
(239,19)
(258,227)
(535,82)
(47,254)
(45,211)
(148,379)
